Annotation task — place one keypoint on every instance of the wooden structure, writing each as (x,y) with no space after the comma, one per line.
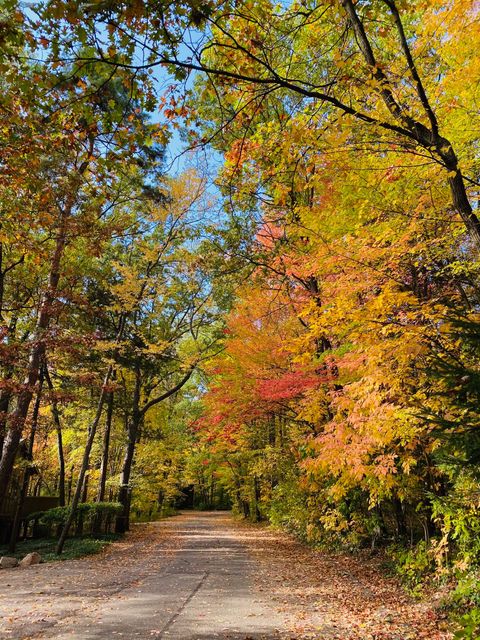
(31,504)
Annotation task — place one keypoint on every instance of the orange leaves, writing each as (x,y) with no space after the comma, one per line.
(254,377)
(269,234)
(239,152)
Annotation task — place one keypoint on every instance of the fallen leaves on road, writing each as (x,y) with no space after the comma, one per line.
(337,596)
(323,596)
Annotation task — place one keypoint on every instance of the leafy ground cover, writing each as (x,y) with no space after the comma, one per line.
(74,547)
(340,596)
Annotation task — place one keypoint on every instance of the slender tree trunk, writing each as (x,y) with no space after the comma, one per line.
(60,453)
(9,369)
(128,458)
(79,529)
(85,462)
(88,446)
(4,403)
(61,467)
(6,395)
(133,431)
(105,449)
(122,522)
(97,522)
(70,484)
(256,489)
(17,521)
(17,418)
(400,520)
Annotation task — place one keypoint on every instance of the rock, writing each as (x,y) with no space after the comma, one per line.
(31,558)
(8,563)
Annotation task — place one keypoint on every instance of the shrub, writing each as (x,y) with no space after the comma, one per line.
(414,565)
(89,511)
(469,626)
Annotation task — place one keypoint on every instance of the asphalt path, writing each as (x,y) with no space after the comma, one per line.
(190,577)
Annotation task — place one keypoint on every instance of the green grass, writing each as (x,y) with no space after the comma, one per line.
(74,547)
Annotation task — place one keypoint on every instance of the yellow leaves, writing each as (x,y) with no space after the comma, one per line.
(408,463)
(187,193)
(157,348)
(127,290)
(314,408)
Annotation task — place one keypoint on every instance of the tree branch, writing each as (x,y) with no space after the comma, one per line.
(168,393)
(411,65)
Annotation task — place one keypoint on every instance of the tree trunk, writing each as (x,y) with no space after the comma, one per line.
(122,522)
(70,484)
(4,403)
(88,446)
(17,521)
(58,428)
(462,203)
(256,488)
(105,449)
(85,463)
(400,520)
(133,431)
(17,418)
(79,529)
(428,138)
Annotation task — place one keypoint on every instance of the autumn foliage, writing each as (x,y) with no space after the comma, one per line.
(310,319)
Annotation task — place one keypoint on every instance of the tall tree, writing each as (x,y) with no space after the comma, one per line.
(325,57)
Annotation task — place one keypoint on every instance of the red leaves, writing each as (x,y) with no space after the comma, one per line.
(288,386)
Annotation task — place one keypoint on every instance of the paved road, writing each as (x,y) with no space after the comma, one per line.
(202,576)
(186,578)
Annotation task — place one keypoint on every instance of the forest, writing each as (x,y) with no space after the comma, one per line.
(239,269)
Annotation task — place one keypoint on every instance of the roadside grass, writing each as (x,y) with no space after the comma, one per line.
(74,547)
